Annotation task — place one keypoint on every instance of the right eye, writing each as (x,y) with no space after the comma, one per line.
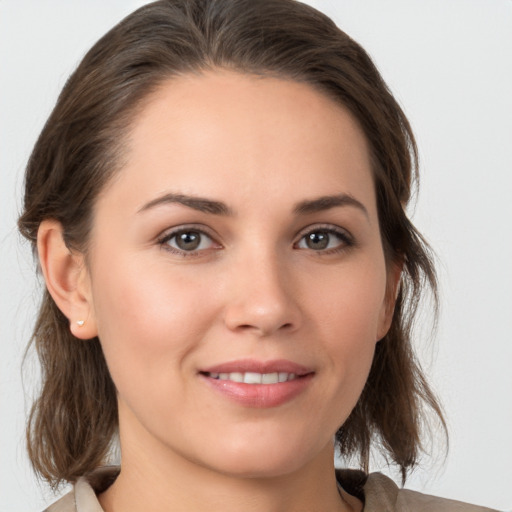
(187,241)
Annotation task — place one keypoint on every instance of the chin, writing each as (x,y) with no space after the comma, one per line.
(261,468)
(262,460)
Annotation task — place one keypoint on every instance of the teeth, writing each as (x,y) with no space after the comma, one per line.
(254,377)
(269,378)
(236,377)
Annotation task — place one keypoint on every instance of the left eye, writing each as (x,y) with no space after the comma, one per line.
(188,241)
(322,240)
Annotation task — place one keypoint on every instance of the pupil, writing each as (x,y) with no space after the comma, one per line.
(317,240)
(188,241)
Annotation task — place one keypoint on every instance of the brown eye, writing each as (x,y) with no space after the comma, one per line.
(324,240)
(318,240)
(187,241)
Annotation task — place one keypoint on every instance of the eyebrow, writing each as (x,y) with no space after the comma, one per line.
(328,202)
(196,203)
(211,206)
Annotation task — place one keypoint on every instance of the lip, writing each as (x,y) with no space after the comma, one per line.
(259,395)
(252,365)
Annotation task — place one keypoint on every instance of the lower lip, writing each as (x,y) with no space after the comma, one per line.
(260,395)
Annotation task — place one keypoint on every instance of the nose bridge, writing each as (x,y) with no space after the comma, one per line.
(261,298)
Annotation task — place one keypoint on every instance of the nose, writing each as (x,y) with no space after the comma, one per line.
(262,299)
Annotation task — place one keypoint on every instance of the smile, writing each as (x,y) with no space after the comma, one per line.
(254,377)
(258,384)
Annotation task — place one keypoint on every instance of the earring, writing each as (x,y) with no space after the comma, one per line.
(80,323)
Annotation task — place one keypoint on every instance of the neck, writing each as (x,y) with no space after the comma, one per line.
(166,481)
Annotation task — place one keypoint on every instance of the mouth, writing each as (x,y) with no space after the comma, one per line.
(253,377)
(258,384)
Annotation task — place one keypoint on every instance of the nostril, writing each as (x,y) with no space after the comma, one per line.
(249,327)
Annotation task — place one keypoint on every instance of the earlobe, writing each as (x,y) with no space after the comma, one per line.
(392,290)
(66,278)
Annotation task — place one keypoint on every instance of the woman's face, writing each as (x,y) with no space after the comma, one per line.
(240,242)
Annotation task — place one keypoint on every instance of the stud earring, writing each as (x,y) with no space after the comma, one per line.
(80,323)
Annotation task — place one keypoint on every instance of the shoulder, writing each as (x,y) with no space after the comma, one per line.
(83,496)
(378,492)
(381,494)
(65,504)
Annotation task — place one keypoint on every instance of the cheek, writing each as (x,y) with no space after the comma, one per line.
(147,318)
(351,305)
(348,315)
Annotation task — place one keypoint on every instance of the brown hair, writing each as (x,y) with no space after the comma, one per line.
(81,148)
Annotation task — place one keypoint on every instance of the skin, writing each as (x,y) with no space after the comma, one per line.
(254,289)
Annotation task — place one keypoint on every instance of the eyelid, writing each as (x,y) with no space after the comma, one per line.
(343,233)
(167,232)
(333,228)
(348,239)
(170,233)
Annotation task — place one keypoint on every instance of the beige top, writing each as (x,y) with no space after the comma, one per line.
(378,492)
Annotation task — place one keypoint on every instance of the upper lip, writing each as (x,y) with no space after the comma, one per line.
(252,365)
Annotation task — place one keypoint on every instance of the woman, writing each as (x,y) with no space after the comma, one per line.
(218,206)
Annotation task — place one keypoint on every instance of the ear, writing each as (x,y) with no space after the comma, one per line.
(67,279)
(392,289)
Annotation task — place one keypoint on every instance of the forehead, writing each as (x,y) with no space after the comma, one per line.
(219,132)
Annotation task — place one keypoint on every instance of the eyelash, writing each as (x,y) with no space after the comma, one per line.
(163,241)
(346,240)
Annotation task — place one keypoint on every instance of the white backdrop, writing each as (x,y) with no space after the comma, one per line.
(449,62)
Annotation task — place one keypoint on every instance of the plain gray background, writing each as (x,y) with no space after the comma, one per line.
(449,62)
